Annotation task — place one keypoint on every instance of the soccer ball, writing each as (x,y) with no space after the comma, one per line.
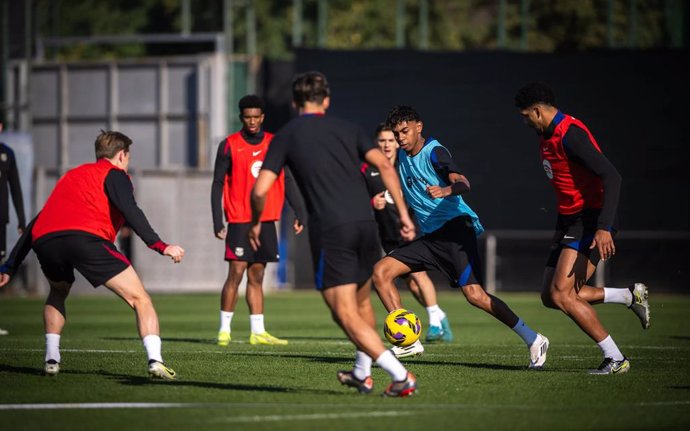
(402,327)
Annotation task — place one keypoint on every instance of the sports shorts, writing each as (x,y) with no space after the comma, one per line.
(576,231)
(97,259)
(451,249)
(344,254)
(237,245)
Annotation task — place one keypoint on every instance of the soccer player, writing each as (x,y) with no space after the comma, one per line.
(388,222)
(432,185)
(238,160)
(324,153)
(9,176)
(587,189)
(76,229)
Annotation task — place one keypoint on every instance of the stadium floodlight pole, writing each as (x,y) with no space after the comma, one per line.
(186,27)
(322,23)
(524,24)
(424,24)
(251,47)
(609,24)
(297,23)
(4,58)
(501,24)
(632,28)
(400,25)
(230,73)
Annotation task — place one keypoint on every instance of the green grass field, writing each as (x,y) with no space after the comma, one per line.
(477,382)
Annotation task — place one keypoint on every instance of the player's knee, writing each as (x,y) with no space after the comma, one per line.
(559,299)
(382,273)
(475,295)
(139,301)
(547,301)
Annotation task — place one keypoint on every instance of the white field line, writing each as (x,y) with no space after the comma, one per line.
(257,418)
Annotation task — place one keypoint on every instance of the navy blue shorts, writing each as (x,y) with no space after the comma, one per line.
(576,231)
(451,249)
(97,259)
(237,245)
(344,254)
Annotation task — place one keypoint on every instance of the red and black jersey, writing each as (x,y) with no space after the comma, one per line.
(247,160)
(577,186)
(79,203)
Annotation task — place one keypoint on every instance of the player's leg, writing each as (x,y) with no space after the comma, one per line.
(385,273)
(570,272)
(439,326)
(228,299)
(635,297)
(128,286)
(255,300)
(343,303)
(54,317)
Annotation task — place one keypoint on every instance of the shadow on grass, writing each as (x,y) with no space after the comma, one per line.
(166,339)
(680,337)
(686,388)
(130,380)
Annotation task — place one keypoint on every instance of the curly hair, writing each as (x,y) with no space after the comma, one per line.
(533,93)
(402,113)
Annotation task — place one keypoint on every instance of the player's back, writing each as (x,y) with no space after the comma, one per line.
(324,154)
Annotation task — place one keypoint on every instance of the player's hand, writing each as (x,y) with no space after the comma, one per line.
(20,230)
(604,242)
(221,234)
(298,226)
(254,233)
(407,231)
(175,252)
(4,279)
(438,192)
(379,201)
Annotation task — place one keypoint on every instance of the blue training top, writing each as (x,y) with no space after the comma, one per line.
(416,173)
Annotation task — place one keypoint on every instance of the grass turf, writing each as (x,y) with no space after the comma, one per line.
(478,381)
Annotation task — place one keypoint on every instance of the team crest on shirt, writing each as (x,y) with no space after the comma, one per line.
(256,167)
(239,251)
(547,169)
(3,157)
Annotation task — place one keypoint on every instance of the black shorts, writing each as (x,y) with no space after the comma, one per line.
(344,254)
(97,259)
(3,241)
(237,245)
(452,249)
(575,231)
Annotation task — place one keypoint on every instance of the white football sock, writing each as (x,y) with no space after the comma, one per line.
(225,320)
(152,344)
(362,368)
(609,349)
(53,347)
(257,323)
(613,295)
(525,332)
(435,315)
(390,364)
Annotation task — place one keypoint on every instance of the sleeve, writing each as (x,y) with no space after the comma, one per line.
(221,168)
(580,149)
(19,252)
(294,197)
(277,153)
(443,163)
(120,191)
(16,190)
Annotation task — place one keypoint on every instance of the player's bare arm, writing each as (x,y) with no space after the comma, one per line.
(390,179)
(459,184)
(258,200)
